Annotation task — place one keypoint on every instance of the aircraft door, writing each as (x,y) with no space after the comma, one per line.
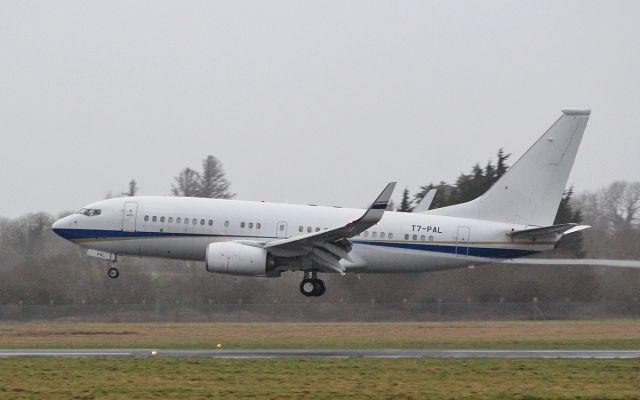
(462,241)
(129,216)
(281,229)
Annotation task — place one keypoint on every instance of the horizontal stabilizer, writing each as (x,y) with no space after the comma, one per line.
(546,231)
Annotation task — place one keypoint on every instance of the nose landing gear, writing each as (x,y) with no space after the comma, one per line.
(311,286)
(113,272)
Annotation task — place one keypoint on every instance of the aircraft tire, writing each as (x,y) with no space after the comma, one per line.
(309,287)
(321,287)
(113,273)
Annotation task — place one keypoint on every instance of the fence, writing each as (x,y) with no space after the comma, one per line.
(326,312)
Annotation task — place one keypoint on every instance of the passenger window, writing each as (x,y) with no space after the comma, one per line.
(300,228)
(317,229)
(374,235)
(431,238)
(366,234)
(210,222)
(154,218)
(381,235)
(422,237)
(186,221)
(146,218)
(171,220)
(241,224)
(415,237)
(161,219)
(258,225)
(178,220)
(390,235)
(194,221)
(202,222)
(406,236)
(226,223)
(250,225)
(309,229)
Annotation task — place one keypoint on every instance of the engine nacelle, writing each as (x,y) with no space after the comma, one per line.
(238,259)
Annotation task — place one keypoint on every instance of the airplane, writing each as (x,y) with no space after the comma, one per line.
(514,218)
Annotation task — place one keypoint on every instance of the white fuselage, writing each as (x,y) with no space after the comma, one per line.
(400,242)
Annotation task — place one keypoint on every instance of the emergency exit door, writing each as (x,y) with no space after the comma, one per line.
(281,229)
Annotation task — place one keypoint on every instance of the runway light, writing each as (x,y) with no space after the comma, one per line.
(219,345)
(153,352)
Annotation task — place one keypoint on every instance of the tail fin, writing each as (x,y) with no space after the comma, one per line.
(529,193)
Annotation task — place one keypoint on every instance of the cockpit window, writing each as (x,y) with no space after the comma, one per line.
(89,212)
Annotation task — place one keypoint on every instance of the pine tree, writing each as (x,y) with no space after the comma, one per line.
(213,184)
(405,204)
(133,188)
(187,183)
(502,166)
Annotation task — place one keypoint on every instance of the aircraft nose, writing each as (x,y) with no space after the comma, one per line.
(59,227)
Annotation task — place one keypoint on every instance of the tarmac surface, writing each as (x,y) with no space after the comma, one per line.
(323,353)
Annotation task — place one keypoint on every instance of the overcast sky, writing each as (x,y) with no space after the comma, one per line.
(304,102)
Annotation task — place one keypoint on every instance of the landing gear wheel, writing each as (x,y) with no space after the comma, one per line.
(321,287)
(113,273)
(312,287)
(308,287)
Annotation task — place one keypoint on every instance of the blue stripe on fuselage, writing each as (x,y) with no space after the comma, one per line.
(486,252)
(78,234)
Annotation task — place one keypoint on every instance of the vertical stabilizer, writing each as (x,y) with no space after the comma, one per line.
(529,193)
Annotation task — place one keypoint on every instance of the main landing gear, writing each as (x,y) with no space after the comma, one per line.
(311,286)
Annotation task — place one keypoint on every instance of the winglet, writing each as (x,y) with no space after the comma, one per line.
(382,201)
(376,209)
(425,203)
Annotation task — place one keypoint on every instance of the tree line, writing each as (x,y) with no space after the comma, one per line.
(37,267)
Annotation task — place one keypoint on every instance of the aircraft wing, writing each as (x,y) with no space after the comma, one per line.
(326,248)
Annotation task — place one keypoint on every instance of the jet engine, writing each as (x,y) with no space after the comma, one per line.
(239,259)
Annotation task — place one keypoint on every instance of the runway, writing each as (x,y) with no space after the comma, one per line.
(324,353)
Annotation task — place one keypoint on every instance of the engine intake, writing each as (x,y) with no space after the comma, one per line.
(239,259)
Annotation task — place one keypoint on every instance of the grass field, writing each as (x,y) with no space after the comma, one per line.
(352,378)
(521,334)
(179,378)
